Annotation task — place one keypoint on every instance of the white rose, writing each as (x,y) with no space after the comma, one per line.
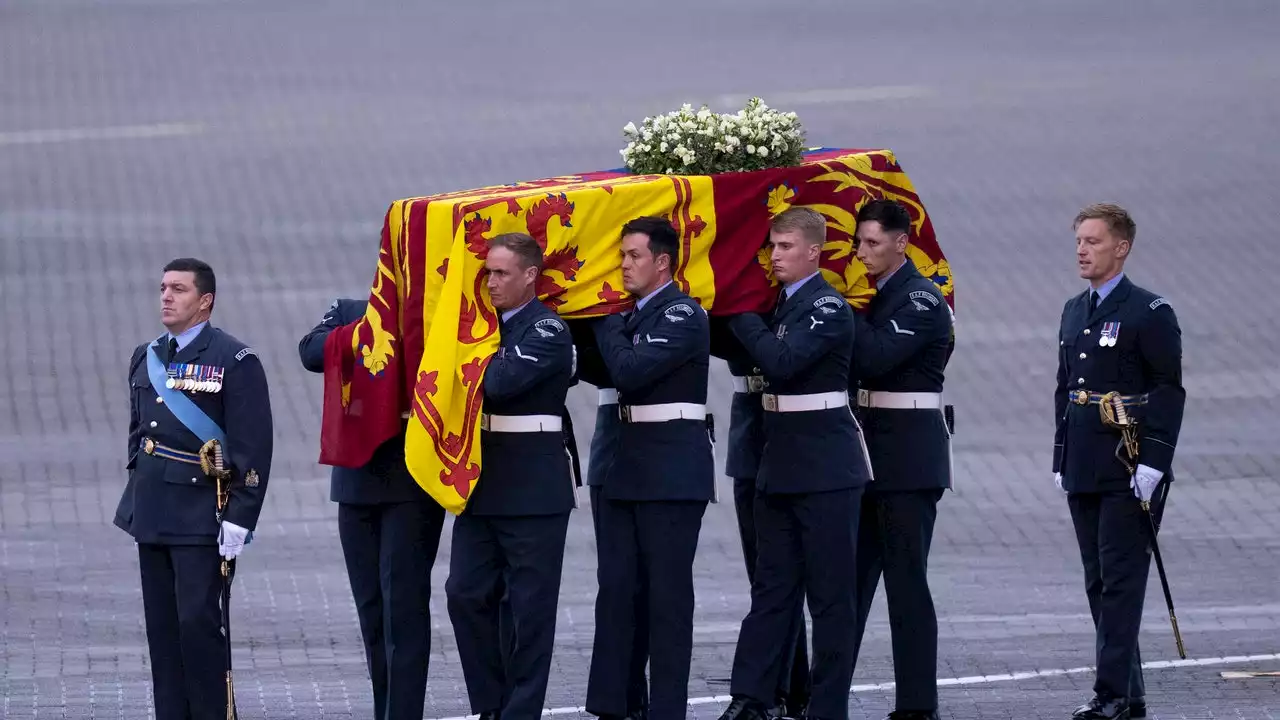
(762,151)
(663,146)
(630,128)
(751,149)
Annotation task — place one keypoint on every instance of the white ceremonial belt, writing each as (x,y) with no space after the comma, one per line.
(748,384)
(662,412)
(805,403)
(521,423)
(608,396)
(900,400)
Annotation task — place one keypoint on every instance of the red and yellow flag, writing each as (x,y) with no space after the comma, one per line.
(429,332)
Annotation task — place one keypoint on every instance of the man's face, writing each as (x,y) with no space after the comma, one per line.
(510,285)
(793,256)
(640,269)
(180,302)
(1099,253)
(878,250)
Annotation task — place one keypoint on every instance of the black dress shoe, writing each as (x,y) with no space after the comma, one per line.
(744,708)
(1103,709)
(913,715)
(1137,707)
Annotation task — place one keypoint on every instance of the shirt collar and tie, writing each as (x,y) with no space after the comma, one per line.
(181,340)
(1097,295)
(789,290)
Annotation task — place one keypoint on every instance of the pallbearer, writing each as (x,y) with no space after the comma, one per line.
(662,477)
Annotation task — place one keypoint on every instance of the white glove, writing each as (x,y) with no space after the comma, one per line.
(1057,480)
(1145,481)
(231,540)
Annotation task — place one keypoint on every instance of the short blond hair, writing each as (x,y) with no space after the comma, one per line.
(808,222)
(1116,218)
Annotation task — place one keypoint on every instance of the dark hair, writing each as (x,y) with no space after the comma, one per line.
(811,224)
(205,281)
(523,246)
(1116,218)
(663,238)
(891,215)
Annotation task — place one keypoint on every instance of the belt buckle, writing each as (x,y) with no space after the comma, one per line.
(864,398)
(770,402)
(755,383)
(484,421)
(1080,397)
(149,446)
(624,413)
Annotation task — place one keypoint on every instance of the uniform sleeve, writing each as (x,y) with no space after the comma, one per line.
(879,349)
(247,414)
(675,340)
(801,346)
(311,347)
(1060,399)
(135,424)
(537,356)
(1160,344)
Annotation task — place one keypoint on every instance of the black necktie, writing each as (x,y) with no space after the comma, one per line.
(173,348)
(1093,301)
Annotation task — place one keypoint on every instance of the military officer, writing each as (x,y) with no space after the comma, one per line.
(390,532)
(1117,338)
(809,487)
(742,463)
(604,446)
(663,475)
(193,388)
(510,539)
(900,354)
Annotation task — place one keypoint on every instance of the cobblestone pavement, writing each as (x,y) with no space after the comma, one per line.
(269,136)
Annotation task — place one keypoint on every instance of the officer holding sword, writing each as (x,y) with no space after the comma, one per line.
(1118,404)
(199,423)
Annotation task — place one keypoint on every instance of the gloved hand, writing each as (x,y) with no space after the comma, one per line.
(1057,480)
(1145,481)
(231,540)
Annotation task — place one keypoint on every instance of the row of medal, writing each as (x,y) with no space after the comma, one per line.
(196,378)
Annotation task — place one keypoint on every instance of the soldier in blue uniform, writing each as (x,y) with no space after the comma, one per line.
(742,463)
(390,532)
(900,354)
(510,539)
(604,447)
(192,385)
(1115,337)
(809,487)
(663,475)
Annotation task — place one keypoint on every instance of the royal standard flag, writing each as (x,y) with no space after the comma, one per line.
(421,350)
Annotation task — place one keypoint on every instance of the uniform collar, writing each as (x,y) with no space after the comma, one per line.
(508,314)
(884,279)
(793,287)
(645,300)
(1108,286)
(185,337)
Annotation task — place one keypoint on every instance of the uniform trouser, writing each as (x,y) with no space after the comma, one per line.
(793,686)
(894,536)
(1114,538)
(521,557)
(807,544)
(656,541)
(180,589)
(390,549)
(637,683)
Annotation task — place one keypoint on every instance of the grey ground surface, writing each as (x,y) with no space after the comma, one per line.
(268,137)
